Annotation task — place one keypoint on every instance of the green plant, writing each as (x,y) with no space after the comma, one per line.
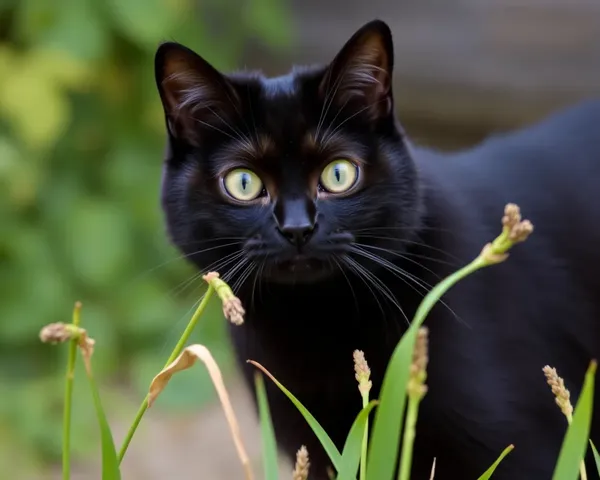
(405,378)
(81,131)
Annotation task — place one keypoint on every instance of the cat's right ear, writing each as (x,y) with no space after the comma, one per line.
(362,71)
(195,96)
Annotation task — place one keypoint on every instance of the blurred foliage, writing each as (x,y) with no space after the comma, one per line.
(81,139)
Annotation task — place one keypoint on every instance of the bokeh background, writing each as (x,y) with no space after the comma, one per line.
(81,139)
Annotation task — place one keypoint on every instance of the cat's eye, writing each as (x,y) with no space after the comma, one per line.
(339,176)
(243,185)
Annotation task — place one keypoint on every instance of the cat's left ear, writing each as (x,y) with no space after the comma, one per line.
(362,70)
(196,97)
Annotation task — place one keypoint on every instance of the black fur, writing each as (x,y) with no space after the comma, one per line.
(311,303)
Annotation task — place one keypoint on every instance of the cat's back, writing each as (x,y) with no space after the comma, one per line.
(559,154)
(551,169)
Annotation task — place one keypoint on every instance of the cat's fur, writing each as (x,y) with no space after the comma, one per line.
(425,214)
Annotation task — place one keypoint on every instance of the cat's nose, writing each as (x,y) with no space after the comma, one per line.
(296,220)
(297,235)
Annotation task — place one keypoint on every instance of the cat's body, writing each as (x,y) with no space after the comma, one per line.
(423,213)
(486,386)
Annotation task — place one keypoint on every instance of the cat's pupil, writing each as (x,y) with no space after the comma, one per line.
(245,181)
(338,174)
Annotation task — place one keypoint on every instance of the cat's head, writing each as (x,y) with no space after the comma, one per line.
(286,177)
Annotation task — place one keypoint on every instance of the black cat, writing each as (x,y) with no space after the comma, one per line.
(304,192)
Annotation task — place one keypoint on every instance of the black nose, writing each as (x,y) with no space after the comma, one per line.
(297,235)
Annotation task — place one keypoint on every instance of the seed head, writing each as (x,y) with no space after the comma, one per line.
(55,333)
(514,230)
(362,372)
(418,368)
(518,229)
(302,465)
(232,305)
(561,394)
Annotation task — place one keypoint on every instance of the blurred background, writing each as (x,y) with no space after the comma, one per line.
(81,139)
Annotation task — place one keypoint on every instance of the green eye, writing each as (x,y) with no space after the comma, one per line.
(243,185)
(339,176)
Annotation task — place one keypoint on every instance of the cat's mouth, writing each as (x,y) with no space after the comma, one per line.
(300,263)
(299,269)
(285,264)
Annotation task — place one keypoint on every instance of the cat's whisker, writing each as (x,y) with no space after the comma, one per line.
(408,228)
(220,264)
(208,125)
(256,278)
(186,255)
(138,278)
(418,244)
(229,274)
(382,288)
(341,269)
(322,144)
(405,276)
(169,334)
(352,266)
(329,99)
(240,278)
(215,266)
(350,117)
(254,129)
(241,117)
(241,137)
(399,255)
(243,276)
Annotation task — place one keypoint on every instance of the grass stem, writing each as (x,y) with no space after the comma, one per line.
(70,375)
(365,441)
(408,441)
(174,354)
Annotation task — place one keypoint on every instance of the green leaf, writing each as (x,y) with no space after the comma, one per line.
(488,473)
(269,446)
(389,418)
(578,433)
(326,442)
(110,463)
(596,456)
(385,440)
(352,447)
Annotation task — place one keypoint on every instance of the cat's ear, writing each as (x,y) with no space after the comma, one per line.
(362,70)
(195,96)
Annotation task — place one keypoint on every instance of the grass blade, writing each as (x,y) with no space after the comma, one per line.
(488,473)
(326,442)
(383,451)
(577,436)
(187,359)
(353,446)
(110,462)
(174,354)
(269,446)
(596,456)
(70,376)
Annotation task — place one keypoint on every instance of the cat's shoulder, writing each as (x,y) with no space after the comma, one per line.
(576,126)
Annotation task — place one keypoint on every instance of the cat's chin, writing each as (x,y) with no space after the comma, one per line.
(299,270)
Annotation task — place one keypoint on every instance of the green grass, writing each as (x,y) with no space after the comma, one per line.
(374,456)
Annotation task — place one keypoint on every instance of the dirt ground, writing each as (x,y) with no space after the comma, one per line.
(168,447)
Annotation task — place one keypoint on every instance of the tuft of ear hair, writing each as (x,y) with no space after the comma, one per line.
(362,71)
(194,95)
